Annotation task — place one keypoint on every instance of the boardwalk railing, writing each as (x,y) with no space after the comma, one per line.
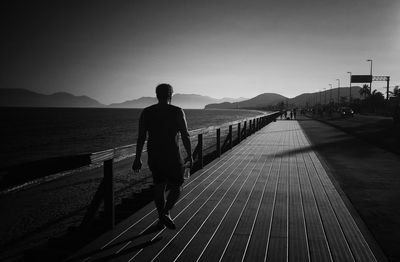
(210,142)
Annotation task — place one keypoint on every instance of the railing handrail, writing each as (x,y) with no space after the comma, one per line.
(194,132)
(67,164)
(105,191)
(103,155)
(205,130)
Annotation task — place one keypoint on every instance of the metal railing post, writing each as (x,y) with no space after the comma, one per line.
(219,142)
(109,194)
(250,127)
(239,134)
(200,149)
(230,137)
(244,129)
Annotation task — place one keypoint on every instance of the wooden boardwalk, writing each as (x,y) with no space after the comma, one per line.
(268,199)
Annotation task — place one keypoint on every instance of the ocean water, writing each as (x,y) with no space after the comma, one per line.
(31,134)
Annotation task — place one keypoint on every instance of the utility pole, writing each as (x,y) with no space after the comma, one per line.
(370,72)
(316,98)
(338,92)
(350,88)
(320,102)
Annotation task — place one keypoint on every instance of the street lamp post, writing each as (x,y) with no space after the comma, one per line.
(325,96)
(320,101)
(338,92)
(350,88)
(370,72)
(316,99)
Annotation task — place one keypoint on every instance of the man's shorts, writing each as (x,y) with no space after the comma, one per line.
(171,174)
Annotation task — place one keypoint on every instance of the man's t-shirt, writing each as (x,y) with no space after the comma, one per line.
(163,122)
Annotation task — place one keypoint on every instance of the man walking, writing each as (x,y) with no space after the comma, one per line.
(163,122)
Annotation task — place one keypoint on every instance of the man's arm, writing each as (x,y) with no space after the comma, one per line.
(185,136)
(137,163)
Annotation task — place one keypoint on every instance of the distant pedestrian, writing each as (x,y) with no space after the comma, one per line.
(396,115)
(291,114)
(294,113)
(162,123)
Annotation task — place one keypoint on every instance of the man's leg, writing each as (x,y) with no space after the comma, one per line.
(159,198)
(172,198)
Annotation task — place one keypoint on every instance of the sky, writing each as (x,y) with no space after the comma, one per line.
(115,51)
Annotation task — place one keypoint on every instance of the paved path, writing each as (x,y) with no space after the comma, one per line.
(269,199)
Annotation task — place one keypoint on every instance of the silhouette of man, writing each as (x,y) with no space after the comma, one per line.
(163,122)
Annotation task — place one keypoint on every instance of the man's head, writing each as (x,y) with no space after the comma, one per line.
(164,92)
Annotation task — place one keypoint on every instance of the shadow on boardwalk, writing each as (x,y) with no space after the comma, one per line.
(368,175)
(269,199)
(151,230)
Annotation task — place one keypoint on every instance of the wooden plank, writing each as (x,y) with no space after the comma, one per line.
(277,244)
(194,248)
(298,242)
(240,236)
(139,221)
(357,243)
(337,242)
(317,242)
(268,199)
(257,244)
(192,221)
(156,247)
(215,247)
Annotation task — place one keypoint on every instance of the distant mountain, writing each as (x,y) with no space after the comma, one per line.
(16,97)
(260,101)
(325,96)
(181,100)
(136,103)
(272,99)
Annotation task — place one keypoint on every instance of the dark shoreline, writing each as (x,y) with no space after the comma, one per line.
(34,161)
(71,194)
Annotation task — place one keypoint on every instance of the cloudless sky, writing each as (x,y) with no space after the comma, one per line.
(120,50)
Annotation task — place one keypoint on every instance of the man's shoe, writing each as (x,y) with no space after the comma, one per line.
(167,221)
(160,225)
